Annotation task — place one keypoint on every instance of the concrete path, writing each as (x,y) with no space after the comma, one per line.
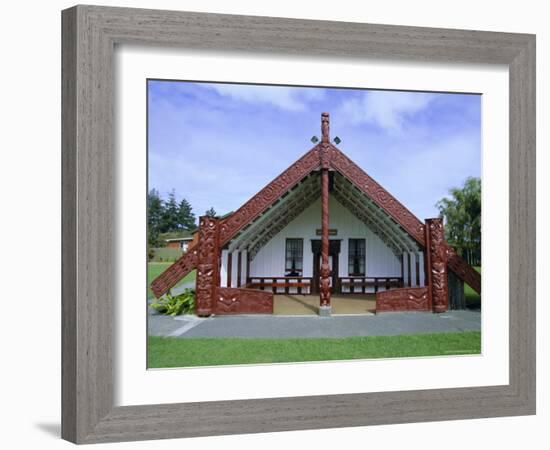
(268,326)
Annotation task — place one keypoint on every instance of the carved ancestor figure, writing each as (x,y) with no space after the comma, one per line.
(324,286)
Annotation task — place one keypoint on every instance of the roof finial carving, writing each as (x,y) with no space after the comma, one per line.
(325,135)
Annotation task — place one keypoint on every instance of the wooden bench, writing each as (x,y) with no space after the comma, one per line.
(284,285)
(280,283)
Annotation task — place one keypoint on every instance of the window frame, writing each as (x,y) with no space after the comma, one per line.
(351,263)
(301,257)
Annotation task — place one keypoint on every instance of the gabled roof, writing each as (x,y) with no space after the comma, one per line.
(294,189)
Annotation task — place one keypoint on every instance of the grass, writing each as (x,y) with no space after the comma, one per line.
(176,352)
(154,269)
(473,299)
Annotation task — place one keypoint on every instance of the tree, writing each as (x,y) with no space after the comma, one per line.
(166,216)
(170,214)
(186,218)
(462,216)
(211,212)
(155,210)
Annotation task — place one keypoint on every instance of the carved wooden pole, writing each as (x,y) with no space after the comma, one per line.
(208,270)
(437,263)
(325,308)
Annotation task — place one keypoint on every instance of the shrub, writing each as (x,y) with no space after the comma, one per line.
(174,305)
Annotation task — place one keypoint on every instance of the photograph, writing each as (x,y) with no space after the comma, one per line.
(311,223)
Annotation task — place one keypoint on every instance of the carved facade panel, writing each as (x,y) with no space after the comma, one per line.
(327,155)
(403,299)
(243,301)
(208,260)
(438,280)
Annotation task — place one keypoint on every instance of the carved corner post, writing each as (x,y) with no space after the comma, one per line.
(208,267)
(325,308)
(436,253)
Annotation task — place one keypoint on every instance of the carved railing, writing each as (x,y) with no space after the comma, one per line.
(403,299)
(174,273)
(242,301)
(281,285)
(463,270)
(361,284)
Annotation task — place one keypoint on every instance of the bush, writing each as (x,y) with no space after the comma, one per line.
(174,305)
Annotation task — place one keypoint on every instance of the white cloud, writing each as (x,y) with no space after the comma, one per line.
(386,109)
(286,98)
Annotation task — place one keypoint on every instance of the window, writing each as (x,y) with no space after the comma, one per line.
(294,257)
(356,257)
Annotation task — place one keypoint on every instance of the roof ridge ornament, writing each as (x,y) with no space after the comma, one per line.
(325,134)
(324,148)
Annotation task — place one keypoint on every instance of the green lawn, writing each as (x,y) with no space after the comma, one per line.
(177,352)
(473,300)
(154,269)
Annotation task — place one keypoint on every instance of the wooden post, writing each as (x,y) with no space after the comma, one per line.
(208,267)
(437,264)
(239,268)
(325,308)
(247,265)
(417,266)
(229,269)
(409,277)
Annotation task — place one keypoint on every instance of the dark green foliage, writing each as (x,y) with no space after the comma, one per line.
(462,214)
(167,216)
(185,216)
(155,209)
(211,212)
(174,305)
(170,219)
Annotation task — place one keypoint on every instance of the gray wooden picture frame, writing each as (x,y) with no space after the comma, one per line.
(88,199)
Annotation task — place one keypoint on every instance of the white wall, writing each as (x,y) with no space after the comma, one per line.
(30,387)
(380,260)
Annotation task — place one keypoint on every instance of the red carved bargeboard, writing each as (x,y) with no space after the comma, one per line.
(377,194)
(252,208)
(170,277)
(243,301)
(403,299)
(463,270)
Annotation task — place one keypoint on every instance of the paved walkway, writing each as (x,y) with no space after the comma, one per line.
(268,326)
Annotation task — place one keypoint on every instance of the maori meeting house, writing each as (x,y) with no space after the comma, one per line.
(323,227)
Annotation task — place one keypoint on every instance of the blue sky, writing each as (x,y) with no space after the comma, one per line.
(218,144)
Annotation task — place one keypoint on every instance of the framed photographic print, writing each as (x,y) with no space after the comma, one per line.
(300,232)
